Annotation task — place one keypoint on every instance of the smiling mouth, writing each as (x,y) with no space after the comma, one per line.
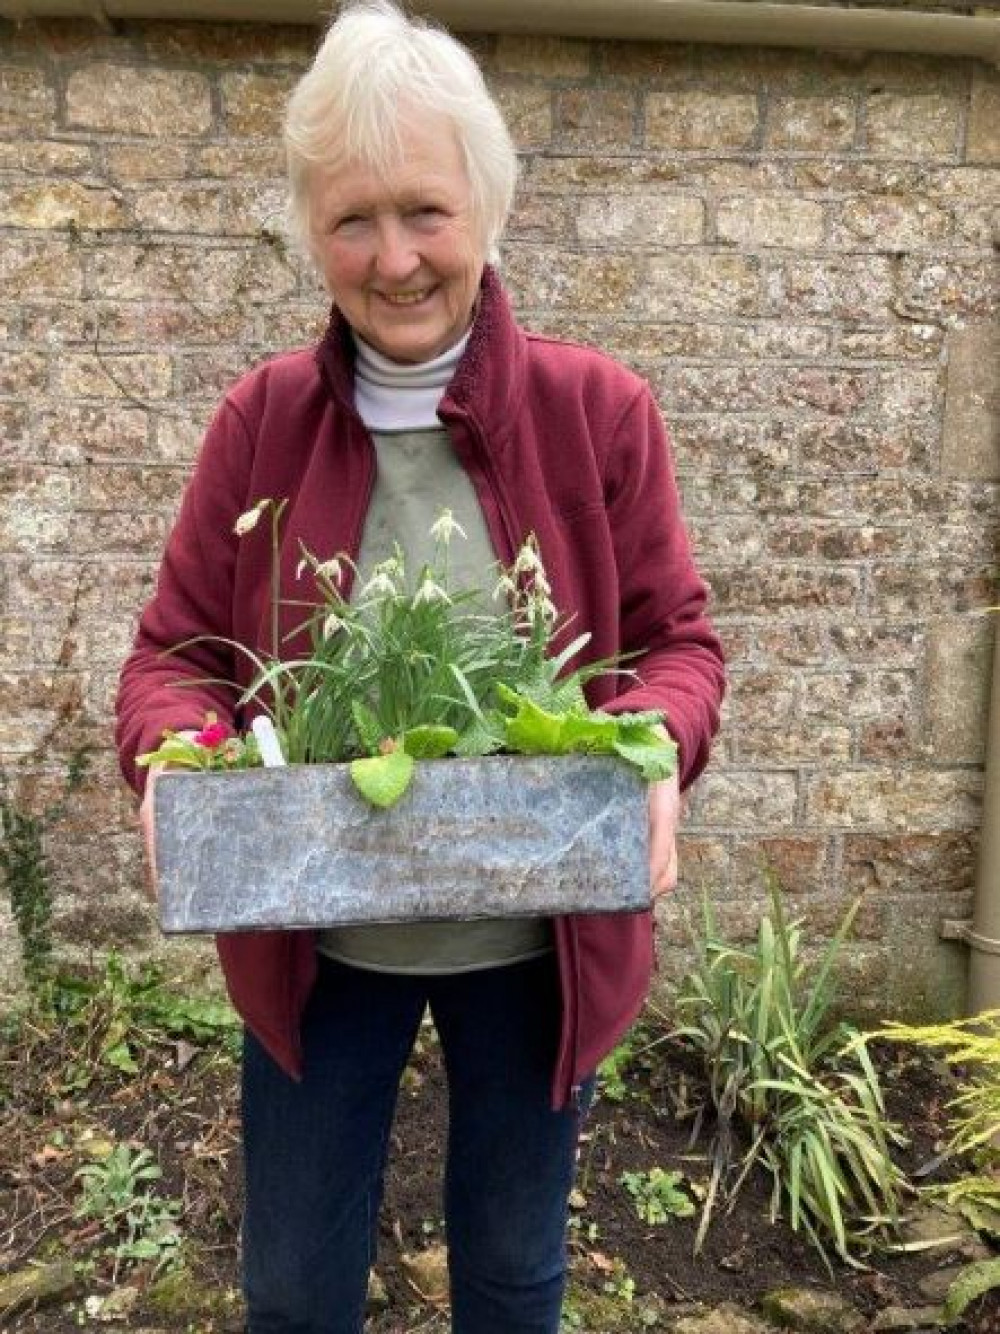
(405,298)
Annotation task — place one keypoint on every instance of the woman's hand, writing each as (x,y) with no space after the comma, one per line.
(149,832)
(664,815)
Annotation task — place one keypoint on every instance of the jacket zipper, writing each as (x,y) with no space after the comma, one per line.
(569,965)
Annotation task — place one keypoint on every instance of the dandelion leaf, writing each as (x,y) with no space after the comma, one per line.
(654,757)
(972,1282)
(484,736)
(383,779)
(429,742)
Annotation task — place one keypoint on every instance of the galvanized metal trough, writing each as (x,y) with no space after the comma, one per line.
(502,836)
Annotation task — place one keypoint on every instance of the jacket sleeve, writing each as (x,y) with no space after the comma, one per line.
(680,668)
(168,681)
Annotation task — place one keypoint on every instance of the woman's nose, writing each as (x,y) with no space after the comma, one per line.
(396,256)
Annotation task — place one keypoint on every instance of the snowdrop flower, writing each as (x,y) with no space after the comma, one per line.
(382,583)
(331,625)
(429,592)
(528,560)
(506,588)
(248,521)
(443,528)
(330,569)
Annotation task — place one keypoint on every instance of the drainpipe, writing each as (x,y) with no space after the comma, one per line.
(734,22)
(982,933)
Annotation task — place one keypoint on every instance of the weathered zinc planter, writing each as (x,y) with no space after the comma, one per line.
(503,836)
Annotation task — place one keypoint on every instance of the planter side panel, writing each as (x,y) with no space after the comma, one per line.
(507,836)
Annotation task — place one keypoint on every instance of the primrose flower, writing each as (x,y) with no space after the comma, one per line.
(248,521)
(212,736)
(445,526)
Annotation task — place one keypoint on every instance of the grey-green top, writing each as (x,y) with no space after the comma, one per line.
(418,475)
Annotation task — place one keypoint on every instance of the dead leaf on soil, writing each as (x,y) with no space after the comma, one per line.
(427,1273)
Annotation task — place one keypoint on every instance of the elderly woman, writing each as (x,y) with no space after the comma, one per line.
(425,393)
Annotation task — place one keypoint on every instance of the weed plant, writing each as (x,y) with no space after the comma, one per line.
(801,1091)
(118,1193)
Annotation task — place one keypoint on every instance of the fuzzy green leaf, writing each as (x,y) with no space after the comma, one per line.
(975,1279)
(429,742)
(383,779)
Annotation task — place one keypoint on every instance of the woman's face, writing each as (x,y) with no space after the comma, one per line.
(402,258)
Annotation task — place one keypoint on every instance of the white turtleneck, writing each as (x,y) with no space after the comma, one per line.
(394,396)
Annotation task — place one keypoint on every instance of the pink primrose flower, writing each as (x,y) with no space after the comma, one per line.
(212,736)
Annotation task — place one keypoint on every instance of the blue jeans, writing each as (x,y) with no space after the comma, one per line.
(315,1151)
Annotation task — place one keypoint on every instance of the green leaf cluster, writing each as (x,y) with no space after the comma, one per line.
(658,1195)
(117,1192)
(803,1089)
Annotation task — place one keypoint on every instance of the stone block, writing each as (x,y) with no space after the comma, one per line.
(51,204)
(123,99)
(811,125)
(179,208)
(916,800)
(890,222)
(702,285)
(982,142)
(527,109)
(909,863)
(693,120)
(506,836)
(34,268)
(595,117)
(760,800)
(912,126)
(552,57)
(641,220)
(800,865)
(856,287)
(560,279)
(147,162)
(951,289)
(253,104)
(777,221)
(959,658)
(971,445)
(27,102)
(132,376)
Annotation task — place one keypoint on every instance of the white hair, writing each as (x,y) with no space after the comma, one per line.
(374,67)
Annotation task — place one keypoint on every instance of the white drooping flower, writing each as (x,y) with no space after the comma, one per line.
(505,588)
(330,569)
(384,579)
(443,528)
(429,591)
(528,561)
(247,521)
(331,625)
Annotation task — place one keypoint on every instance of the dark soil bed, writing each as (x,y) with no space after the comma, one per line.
(626,1273)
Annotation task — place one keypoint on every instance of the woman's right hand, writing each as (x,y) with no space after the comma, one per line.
(149,832)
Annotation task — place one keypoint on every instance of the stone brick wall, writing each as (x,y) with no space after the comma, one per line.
(797,249)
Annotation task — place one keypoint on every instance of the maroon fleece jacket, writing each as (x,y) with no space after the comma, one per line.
(558,440)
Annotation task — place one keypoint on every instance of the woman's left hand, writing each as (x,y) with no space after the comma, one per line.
(664,814)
